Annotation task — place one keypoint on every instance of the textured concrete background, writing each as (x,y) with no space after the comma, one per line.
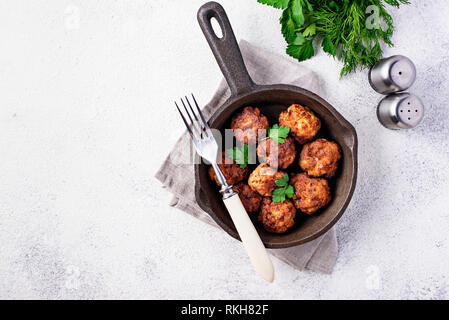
(86,118)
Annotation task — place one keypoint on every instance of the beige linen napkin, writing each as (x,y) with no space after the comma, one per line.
(177,175)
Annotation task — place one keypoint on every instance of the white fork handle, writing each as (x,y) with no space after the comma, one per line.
(250,238)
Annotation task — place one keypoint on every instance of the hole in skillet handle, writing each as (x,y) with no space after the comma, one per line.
(216,27)
(210,15)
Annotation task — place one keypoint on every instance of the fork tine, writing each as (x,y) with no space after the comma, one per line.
(209,132)
(194,114)
(194,128)
(198,129)
(187,111)
(203,129)
(184,119)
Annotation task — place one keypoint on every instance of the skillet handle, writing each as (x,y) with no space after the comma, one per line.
(225,49)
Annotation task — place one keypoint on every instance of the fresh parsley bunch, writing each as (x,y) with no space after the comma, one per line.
(340,26)
(284,190)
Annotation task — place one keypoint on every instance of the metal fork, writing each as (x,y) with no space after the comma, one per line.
(207,147)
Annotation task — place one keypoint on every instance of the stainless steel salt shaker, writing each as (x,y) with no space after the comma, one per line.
(400,111)
(393,74)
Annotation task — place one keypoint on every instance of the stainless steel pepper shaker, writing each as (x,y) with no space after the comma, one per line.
(400,111)
(393,74)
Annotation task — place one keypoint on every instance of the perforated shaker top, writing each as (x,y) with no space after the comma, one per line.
(403,73)
(410,111)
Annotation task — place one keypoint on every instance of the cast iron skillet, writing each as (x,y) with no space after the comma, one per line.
(272,100)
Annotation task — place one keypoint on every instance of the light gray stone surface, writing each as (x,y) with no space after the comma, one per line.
(86,118)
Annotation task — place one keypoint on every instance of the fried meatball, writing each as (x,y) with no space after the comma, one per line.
(251,200)
(262,179)
(320,158)
(231,170)
(311,194)
(302,122)
(277,217)
(277,155)
(247,123)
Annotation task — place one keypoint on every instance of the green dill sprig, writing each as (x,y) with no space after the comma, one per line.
(339,26)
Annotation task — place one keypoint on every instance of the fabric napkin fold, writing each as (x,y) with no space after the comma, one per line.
(177,173)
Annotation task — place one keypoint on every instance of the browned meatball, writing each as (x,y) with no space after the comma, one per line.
(247,123)
(277,155)
(231,170)
(277,217)
(263,178)
(251,200)
(320,158)
(302,122)
(311,194)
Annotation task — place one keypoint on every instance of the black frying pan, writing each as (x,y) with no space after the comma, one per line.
(272,100)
